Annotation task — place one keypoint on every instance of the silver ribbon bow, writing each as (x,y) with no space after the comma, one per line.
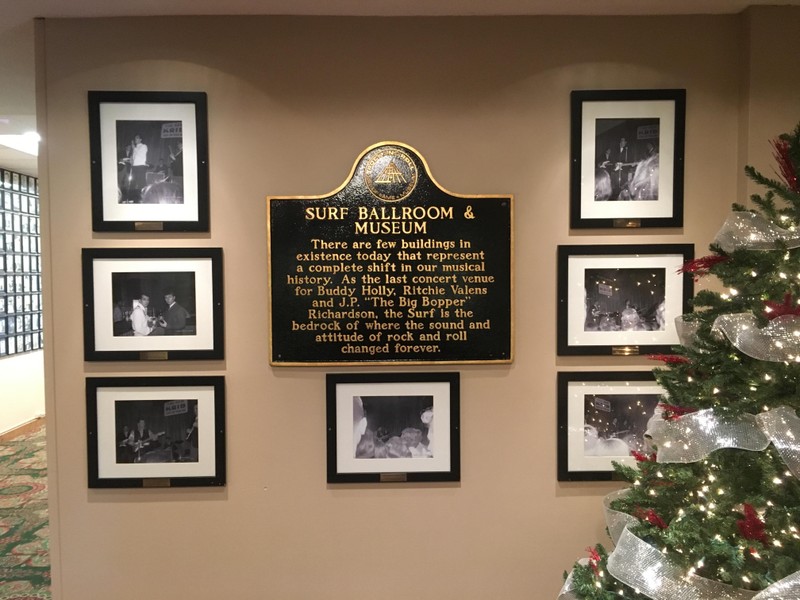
(782,427)
(779,341)
(639,565)
(754,232)
(642,567)
(688,439)
(687,331)
(693,437)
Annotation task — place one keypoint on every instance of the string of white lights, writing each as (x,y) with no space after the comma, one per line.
(693,437)
(644,568)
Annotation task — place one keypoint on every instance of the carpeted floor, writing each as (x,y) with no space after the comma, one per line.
(24,537)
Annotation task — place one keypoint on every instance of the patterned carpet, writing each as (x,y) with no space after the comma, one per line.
(24,537)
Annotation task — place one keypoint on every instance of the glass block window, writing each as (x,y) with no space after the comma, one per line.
(20,264)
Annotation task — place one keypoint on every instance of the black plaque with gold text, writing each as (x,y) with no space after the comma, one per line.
(390,268)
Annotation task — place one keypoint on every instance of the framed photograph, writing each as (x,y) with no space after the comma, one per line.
(393,427)
(149,161)
(155,431)
(626,167)
(602,418)
(152,304)
(621,299)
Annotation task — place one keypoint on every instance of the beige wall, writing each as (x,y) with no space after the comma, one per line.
(292,102)
(23,389)
(772,91)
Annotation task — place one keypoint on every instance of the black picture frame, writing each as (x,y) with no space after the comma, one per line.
(163,186)
(621,299)
(116,321)
(640,185)
(602,419)
(375,425)
(182,440)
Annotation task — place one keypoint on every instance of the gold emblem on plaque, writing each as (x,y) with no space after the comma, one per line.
(390,173)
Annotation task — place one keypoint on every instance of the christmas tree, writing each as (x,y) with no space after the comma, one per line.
(714,511)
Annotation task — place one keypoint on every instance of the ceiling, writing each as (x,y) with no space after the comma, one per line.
(17,89)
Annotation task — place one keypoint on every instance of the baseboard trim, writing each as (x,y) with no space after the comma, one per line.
(22,429)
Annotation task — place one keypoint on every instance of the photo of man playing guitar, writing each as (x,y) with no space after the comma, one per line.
(620,167)
(618,161)
(143,440)
(173,438)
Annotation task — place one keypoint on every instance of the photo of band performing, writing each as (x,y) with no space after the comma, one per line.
(626,159)
(625,299)
(615,424)
(156,431)
(150,162)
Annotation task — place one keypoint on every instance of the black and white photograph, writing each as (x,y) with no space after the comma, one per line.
(625,299)
(603,418)
(154,429)
(150,162)
(149,159)
(626,155)
(621,299)
(627,158)
(393,427)
(153,304)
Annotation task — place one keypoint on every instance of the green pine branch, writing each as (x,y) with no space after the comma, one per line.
(694,513)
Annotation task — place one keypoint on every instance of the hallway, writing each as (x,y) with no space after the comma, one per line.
(24,526)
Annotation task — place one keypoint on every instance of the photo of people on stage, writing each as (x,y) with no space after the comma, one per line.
(625,299)
(150,304)
(150,162)
(615,424)
(393,426)
(156,431)
(626,159)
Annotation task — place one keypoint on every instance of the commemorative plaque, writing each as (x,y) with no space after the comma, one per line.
(390,268)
